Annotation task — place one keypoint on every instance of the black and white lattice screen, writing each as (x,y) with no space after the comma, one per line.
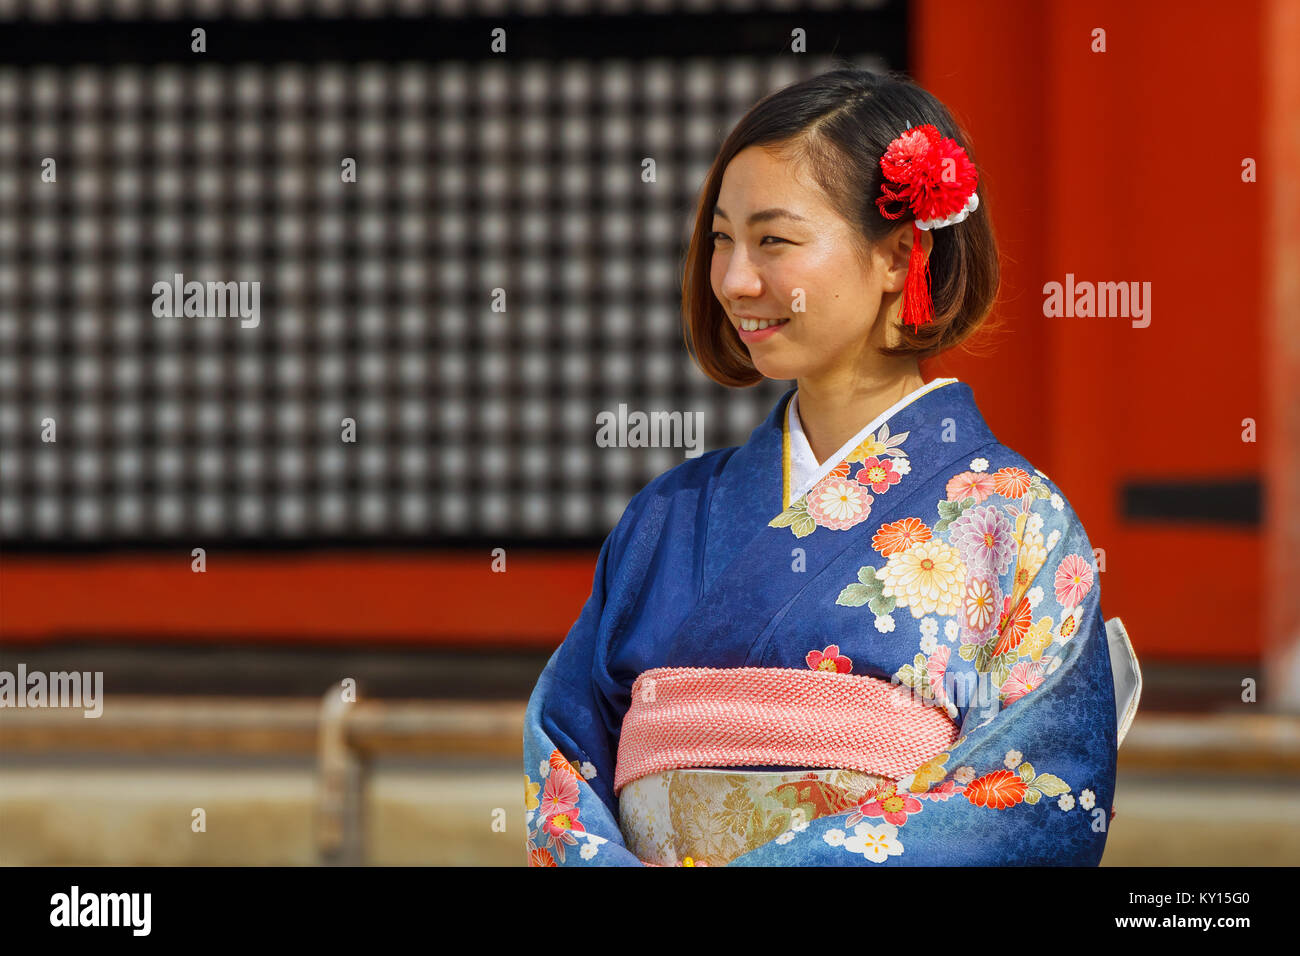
(481,181)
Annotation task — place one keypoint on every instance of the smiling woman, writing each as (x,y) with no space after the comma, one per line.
(873,633)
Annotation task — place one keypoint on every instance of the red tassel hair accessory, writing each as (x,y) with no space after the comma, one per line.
(931,176)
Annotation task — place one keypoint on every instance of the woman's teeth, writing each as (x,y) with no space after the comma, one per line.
(755,325)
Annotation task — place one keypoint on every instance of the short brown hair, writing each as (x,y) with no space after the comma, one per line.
(840,123)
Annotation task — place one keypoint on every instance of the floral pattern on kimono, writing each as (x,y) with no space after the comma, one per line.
(933,557)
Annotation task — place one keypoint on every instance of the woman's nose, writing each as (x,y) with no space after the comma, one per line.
(741,280)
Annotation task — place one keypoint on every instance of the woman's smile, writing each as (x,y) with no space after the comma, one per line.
(756,330)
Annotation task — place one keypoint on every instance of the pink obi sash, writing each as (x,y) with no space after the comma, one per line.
(774,716)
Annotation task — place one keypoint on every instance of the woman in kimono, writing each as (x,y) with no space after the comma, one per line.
(872,634)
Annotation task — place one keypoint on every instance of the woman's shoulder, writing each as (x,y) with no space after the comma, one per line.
(1001,471)
(693,476)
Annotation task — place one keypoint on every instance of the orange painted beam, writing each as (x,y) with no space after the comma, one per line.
(438,599)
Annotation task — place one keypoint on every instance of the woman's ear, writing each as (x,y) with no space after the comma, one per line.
(897,249)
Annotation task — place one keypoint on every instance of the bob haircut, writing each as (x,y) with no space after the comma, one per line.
(839,124)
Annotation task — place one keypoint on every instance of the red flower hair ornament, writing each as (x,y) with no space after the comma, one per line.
(930,175)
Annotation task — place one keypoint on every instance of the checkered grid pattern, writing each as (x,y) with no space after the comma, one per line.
(376,297)
(288,9)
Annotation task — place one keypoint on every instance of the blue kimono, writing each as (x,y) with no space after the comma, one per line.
(930,558)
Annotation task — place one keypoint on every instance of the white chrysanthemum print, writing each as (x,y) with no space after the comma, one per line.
(929,644)
(1052,664)
(929,626)
(785,837)
(1052,538)
(1057,501)
(588,770)
(951,629)
(979,464)
(834,837)
(1066,802)
(927,578)
(884,623)
(1035,596)
(838,503)
(1035,522)
(588,850)
(964,775)
(1086,799)
(544,768)
(1012,760)
(876,843)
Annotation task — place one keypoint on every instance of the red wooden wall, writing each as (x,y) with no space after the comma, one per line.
(1115,166)
(1125,166)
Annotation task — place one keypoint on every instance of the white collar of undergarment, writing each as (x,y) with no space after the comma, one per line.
(805,471)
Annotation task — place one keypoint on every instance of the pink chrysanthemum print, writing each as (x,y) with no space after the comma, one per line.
(559,795)
(936,666)
(1024,677)
(985,538)
(838,503)
(1073,580)
(970,484)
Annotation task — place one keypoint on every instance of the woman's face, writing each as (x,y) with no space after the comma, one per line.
(781,252)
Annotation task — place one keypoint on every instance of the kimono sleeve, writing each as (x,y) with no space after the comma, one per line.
(1031,778)
(570,743)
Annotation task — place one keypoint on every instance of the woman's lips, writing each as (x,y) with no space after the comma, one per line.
(761,334)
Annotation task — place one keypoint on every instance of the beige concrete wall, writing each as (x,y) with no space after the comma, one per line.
(254,816)
(259,816)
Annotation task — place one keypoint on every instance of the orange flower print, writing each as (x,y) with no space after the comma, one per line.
(997,790)
(829,659)
(970,484)
(841,470)
(900,535)
(1011,482)
(541,857)
(1013,626)
(570,767)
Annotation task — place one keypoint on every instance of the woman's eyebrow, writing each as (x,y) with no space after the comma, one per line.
(763,216)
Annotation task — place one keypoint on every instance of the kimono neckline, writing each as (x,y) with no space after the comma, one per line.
(792,434)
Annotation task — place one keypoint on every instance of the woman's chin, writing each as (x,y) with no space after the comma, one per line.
(777,371)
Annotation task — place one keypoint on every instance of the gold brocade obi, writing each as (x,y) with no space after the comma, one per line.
(710,816)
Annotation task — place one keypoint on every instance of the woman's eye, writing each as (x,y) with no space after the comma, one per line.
(715,236)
